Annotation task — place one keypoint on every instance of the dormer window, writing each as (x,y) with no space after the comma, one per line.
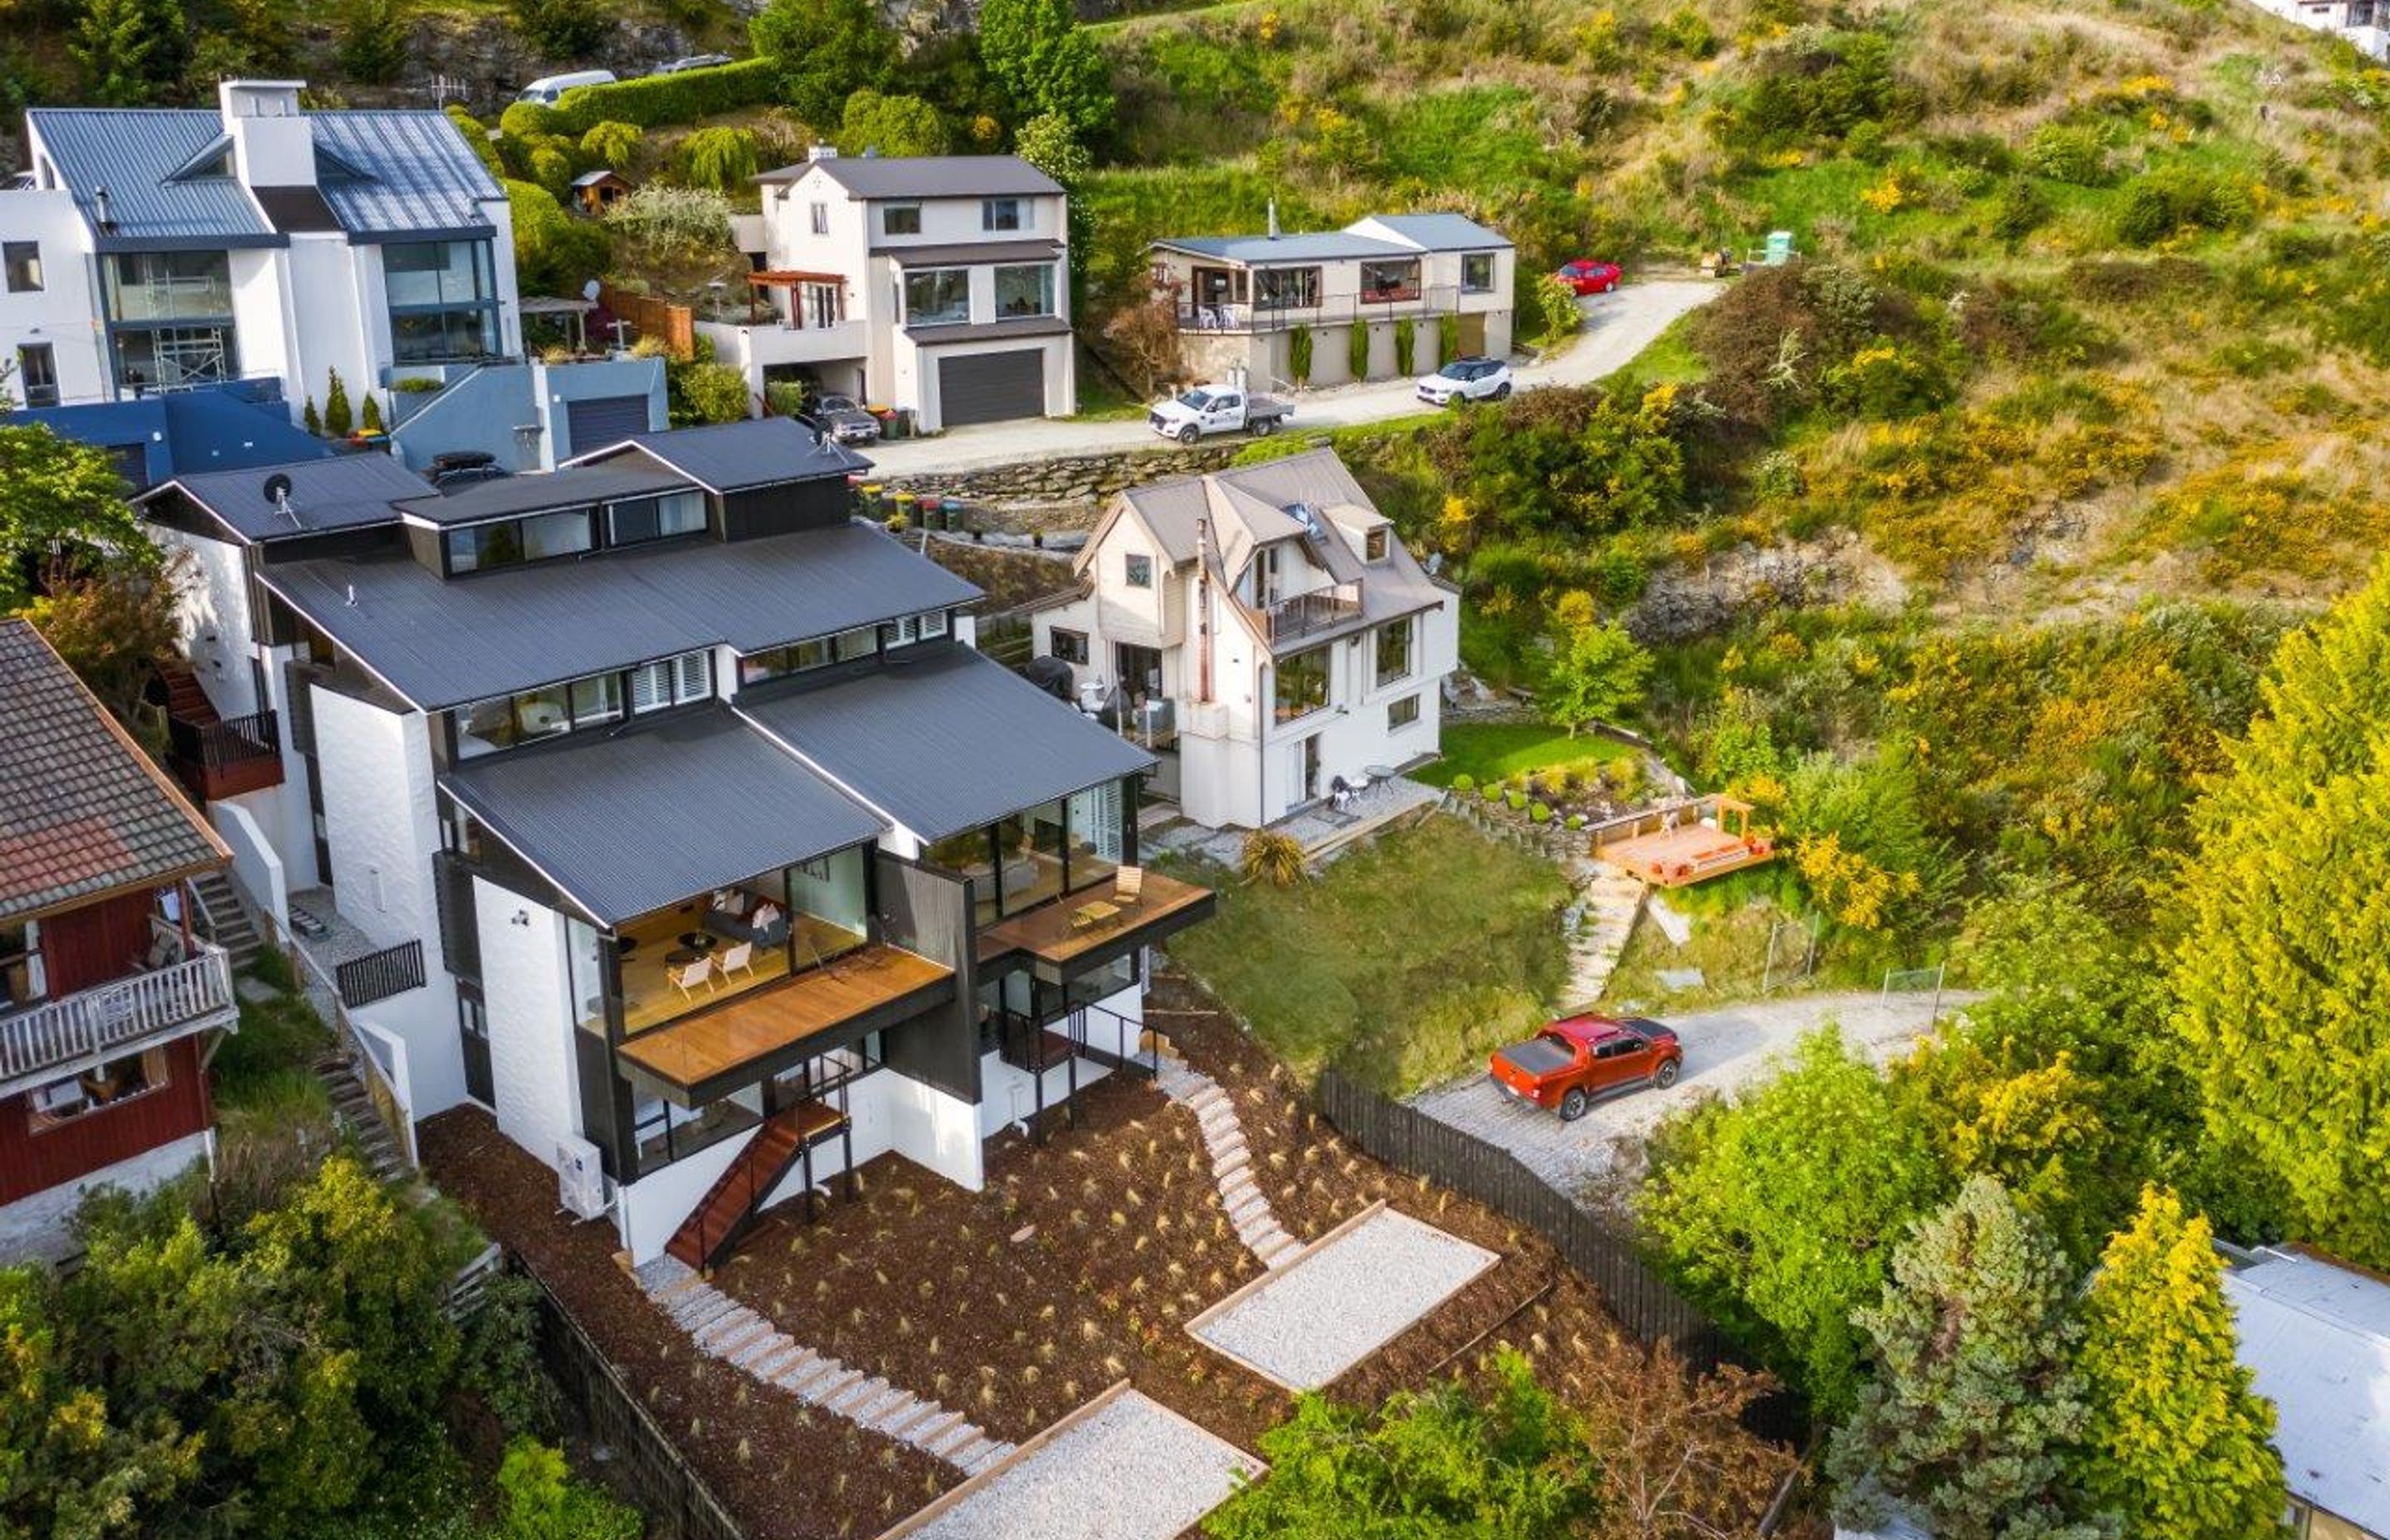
(671,682)
(1374,545)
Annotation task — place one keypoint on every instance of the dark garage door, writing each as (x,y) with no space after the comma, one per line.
(601,421)
(990,387)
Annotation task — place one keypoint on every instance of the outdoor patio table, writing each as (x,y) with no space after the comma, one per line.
(1378,772)
(682,956)
(700,940)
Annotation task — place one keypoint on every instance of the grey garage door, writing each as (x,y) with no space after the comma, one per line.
(601,421)
(990,387)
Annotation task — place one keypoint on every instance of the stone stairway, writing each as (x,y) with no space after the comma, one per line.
(1232,1167)
(1608,903)
(723,1329)
(352,1108)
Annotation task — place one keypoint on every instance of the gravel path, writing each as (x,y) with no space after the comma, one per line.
(1725,1049)
(1343,1299)
(1131,1470)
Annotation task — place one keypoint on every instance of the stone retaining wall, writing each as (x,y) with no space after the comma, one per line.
(1080,480)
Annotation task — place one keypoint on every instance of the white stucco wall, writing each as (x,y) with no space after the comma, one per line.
(652,1210)
(933,1129)
(63,313)
(1009,1094)
(213,608)
(525,988)
(332,319)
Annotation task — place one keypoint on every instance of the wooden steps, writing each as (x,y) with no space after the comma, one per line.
(739,1194)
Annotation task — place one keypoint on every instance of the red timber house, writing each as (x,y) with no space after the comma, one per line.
(110,1007)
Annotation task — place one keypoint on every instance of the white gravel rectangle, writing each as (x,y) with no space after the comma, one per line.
(1348,1297)
(1129,1469)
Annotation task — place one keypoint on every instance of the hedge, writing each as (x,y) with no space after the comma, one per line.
(651,100)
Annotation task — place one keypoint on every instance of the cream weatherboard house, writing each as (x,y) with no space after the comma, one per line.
(936,284)
(1264,631)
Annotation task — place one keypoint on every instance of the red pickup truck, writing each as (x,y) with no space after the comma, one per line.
(1563,1067)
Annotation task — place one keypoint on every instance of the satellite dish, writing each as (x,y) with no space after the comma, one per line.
(589,292)
(277,494)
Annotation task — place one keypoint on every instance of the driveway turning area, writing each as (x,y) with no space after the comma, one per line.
(1124,1466)
(1364,1284)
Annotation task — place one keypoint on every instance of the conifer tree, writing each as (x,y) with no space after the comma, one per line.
(337,418)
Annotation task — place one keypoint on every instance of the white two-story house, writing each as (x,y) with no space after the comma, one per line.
(1264,631)
(153,251)
(1242,299)
(935,284)
(2362,24)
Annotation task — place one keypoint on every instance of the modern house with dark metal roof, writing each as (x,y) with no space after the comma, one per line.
(937,284)
(1263,630)
(1240,298)
(109,1003)
(685,828)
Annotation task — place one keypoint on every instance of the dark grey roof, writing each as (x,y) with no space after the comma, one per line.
(962,253)
(947,742)
(1266,251)
(1444,232)
(83,812)
(926,175)
(755,452)
(444,644)
(133,152)
(419,176)
(989,331)
(701,798)
(569,486)
(296,210)
(346,491)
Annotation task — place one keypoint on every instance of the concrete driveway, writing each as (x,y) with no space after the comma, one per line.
(1618,327)
(1725,1049)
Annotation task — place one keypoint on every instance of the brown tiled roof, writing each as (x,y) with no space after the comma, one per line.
(84,811)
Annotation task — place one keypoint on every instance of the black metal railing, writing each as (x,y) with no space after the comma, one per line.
(221,745)
(379,975)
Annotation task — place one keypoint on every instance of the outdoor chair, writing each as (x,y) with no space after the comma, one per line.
(736,957)
(1128,884)
(699,972)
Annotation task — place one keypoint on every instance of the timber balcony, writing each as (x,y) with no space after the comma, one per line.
(1321,610)
(49,1042)
(1083,929)
(212,756)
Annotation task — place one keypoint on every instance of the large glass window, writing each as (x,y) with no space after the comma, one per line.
(716,945)
(118,1080)
(1032,856)
(174,358)
(1382,281)
(1477,271)
(21,965)
(901,219)
(655,518)
(168,286)
(1024,290)
(1394,652)
(1302,685)
(937,296)
(510,541)
(1286,289)
(1004,214)
(443,299)
(777,661)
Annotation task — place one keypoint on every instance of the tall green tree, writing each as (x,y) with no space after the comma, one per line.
(890,125)
(112,626)
(62,510)
(1779,1212)
(1037,53)
(1595,673)
(2282,1002)
(131,53)
(1976,1400)
(372,43)
(561,28)
(2180,1444)
(827,49)
(1434,1462)
(721,158)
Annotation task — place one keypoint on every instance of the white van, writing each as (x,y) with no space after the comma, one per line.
(549,87)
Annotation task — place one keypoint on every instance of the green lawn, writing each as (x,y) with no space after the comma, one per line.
(1492,752)
(1402,965)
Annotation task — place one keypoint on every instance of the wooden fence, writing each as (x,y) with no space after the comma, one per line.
(1643,1302)
(647,1470)
(674,326)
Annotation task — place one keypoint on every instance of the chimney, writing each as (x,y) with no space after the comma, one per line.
(1273,219)
(821,152)
(272,143)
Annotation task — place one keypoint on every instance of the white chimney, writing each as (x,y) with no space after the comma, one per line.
(1273,219)
(821,152)
(272,143)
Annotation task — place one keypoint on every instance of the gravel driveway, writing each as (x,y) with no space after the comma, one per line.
(1725,1049)
(1618,327)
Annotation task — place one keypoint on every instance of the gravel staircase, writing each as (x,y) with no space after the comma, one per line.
(1232,1166)
(724,1329)
(1608,903)
(353,1105)
(228,920)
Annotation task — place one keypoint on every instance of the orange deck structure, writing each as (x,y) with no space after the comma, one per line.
(1692,842)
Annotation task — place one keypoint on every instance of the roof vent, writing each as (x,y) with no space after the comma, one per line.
(100,207)
(821,152)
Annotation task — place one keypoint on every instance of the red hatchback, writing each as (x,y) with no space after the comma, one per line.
(1590,277)
(1577,1059)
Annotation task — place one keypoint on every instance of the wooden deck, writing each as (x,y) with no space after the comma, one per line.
(1058,933)
(704,1048)
(1679,857)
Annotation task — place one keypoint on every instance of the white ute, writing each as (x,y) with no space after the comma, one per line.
(1207,409)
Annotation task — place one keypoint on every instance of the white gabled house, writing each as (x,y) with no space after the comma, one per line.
(1265,631)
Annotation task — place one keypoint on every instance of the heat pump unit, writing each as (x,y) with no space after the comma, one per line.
(580,1180)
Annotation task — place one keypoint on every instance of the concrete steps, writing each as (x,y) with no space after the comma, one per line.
(1609,903)
(1233,1171)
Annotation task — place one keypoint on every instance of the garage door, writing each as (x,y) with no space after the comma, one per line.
(990,387)
(601,421)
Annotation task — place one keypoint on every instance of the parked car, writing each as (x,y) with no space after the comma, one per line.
(462,467)
(547,88)
(1217,409)
(845,419)
(1467,380)
(1569,1064)
(691,61)
(1586,276)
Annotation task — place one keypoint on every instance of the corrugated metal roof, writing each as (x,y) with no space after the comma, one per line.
(1268,251)
(133,152)
(947,742)
(971,251)
(83,812)
(926,175)
(754,451)
(568,486)
(420,177)
(702,798)
(346,491)
(2317,1338)
(444,644)
(1445,232)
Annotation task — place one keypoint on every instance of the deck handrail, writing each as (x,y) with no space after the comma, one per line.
(1299,614)
(117,1014)
(220,745)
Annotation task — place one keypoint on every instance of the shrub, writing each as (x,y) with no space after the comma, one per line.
(337,417)
(650,101)
(2020,210)
(824,50)
(560,28)
(721,158)
(1448,338)
(370,419)
(890,125)
(553,254)
(373,33)
(1406,344)
(1516,801)
(1357,348)
(611,143)
(1539,812)
(1886,381)
(1273,858)
(2180,197)
(1556,311)
(1575,820)
(1464,782)
(312,419)
(541,1501)
(1298,354)
(2073,153)
(1492,791)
